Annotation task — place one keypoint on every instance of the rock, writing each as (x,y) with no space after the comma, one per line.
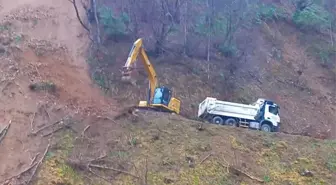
(306,173)
(13,68)
(5,40)
(168,180)
(191,161)
(2,49)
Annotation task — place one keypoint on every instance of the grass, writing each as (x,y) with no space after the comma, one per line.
(325,53)
(18,39)
(55,170)
(331,163)
(283,169)
(276,160)
(173,152)
(119,154)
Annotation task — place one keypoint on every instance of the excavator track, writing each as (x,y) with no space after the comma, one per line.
(154,109)
(134,110)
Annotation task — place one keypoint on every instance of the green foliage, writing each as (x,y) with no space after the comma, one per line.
(18,39)
(119,154)
(133,141)
(312,17)
(225,181)
(267,13)
(101,80)
(228,50)
(218,28)
(113,25)
(2,28)
(218,25)
(267,178)
(69,173)
(324,53)
(331,163)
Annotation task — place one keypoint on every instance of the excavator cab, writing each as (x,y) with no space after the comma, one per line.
(162,100)
(162,95)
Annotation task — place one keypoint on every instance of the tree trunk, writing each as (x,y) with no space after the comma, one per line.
(94,4)
(331,34)
(209,31)
(185,29)
(208,48)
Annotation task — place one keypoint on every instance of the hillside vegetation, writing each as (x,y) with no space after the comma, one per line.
(64,112)
(232,50)
(157,149)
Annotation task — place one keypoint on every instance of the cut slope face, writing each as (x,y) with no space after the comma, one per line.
(43,77)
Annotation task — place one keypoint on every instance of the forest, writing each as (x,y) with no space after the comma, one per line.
(205,28)
(236,50)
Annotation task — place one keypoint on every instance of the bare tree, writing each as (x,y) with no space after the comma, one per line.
(94,5)
(78,16)
(161,26)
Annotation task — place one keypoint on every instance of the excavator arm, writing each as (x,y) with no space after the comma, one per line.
(137,49)
(159,98)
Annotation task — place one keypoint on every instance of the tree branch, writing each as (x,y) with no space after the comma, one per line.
(77,14)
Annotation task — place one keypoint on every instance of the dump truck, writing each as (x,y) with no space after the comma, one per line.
(260,115)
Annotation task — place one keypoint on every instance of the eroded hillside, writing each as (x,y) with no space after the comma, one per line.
(43,79)
(63,128)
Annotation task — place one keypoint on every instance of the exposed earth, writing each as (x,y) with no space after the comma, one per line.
(45,81)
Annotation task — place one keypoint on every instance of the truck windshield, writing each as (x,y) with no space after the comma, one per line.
(274,110)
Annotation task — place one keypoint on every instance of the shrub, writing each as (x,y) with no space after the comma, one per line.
(228,50)
(326,54)
(331,163)
(113,25)
(313,17)
(266,13)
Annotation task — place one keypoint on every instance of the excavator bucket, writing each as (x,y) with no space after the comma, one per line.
(126,74)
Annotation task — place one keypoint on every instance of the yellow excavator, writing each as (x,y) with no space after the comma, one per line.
(159,97)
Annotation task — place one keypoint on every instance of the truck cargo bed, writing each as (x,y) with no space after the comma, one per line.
(228,109)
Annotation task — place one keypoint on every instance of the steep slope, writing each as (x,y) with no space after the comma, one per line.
(43,77)
(285,70)
(48,98)
(278,50)
(276,63)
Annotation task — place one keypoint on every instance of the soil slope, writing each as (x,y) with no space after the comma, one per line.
(41,45)
(277,65)
(48,99)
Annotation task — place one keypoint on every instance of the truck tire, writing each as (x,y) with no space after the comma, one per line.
(266,127)
(231,122)
(217,120)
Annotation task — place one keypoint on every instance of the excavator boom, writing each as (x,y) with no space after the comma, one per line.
(132,57)
(159,97)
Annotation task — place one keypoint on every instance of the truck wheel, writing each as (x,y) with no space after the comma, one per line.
(266,128)
(217,120)
(231,122)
